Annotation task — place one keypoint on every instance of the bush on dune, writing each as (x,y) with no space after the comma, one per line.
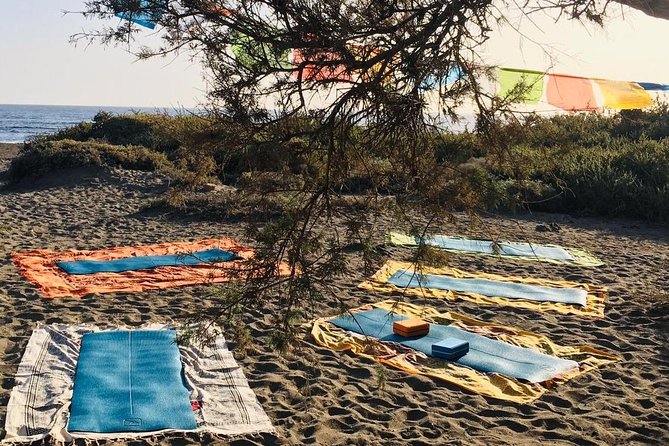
(196,144)
(585,164)
(42,156)
(628,179)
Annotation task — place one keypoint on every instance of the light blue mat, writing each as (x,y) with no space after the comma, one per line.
(485,354)
(491,288)
(146,262)
(505,248)
(130,381)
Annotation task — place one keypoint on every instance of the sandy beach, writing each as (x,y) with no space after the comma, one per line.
(320,397)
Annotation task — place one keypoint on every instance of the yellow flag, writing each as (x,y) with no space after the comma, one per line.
(623,95)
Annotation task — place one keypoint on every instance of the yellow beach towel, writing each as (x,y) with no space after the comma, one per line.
(487,384)
(507,250)
(595,296)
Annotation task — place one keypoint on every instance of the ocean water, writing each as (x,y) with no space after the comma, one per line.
(19,122)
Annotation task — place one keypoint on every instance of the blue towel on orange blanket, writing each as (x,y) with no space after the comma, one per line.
(146,262)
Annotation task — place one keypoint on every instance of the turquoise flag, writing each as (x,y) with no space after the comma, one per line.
(148,13)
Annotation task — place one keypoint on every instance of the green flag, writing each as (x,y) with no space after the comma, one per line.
(524,86)
(251,54)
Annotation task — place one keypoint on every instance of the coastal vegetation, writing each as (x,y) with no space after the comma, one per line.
(585,164)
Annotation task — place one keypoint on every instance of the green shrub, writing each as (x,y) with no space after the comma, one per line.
(629,179)
(78,132)
(637,124)
(41,156)
(457,147)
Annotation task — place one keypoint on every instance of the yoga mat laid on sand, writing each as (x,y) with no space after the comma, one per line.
(490,289)
(217,393)
(130,380)
(41,268)
(485,354)
(514,250)
(567,362)
(138,263)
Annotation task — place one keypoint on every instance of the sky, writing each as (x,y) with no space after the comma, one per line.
(38,65)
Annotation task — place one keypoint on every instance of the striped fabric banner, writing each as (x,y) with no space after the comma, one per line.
(574,93)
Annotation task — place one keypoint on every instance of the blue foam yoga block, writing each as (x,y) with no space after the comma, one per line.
(450,348)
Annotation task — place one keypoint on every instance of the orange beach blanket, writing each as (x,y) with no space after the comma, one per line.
(39,266)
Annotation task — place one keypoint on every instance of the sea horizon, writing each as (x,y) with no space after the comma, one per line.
(20,122)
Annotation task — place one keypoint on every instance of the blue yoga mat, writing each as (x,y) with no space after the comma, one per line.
(485,354)
(130,381)
(491,288)
(505,248)
(146,262)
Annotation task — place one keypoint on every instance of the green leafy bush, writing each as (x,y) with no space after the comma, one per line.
(42,156)
(590,164)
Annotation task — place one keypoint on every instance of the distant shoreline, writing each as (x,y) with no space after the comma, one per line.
(105,107)
(20,122)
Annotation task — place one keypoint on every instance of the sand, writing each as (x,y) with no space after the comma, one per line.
(326,398)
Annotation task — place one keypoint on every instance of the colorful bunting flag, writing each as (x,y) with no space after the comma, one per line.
(531,81)
(454,74)
(570,93)
(316,71)
(252,54)
(623,95)
(650,86)
(150,11)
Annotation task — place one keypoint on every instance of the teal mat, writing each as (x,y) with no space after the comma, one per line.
(485,354)
(80,267)
(505,248)
(130,381)
(491,288)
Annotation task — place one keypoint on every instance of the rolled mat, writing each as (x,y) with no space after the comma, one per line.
(130,381)
(138,263)
(485,354)
(490,288)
